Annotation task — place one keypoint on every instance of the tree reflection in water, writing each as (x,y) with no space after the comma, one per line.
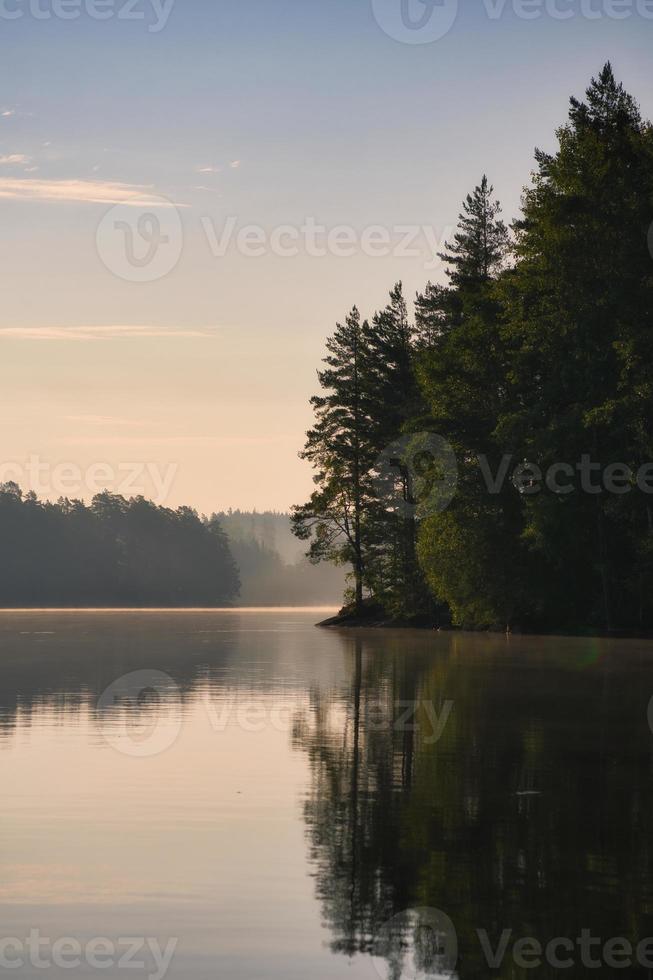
(531,813)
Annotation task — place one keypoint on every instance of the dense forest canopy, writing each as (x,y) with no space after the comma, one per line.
(533,362)
(131,552)
(115,552)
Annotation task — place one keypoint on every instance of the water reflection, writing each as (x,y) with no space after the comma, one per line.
(499,785)
(79,664)
(532,811)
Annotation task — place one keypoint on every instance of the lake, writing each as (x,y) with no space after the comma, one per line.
(239,795)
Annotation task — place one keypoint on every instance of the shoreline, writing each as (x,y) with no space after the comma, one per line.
(351,621)
(376,622)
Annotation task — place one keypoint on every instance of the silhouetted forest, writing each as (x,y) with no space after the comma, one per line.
(115,552)
(119,552)
(534,364)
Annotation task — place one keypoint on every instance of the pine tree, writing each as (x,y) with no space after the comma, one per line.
(395,408)
(470,552)
(544,359)
(335,520)
(579,311)
(393,397)
(478,250)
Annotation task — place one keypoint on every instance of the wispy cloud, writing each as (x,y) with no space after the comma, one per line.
(13,158)
(208,170)
(6,113)
(179,440)
(81,191)
(98,333)
(234,164)
(99,420)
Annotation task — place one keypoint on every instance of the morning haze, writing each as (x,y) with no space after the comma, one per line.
(275,114)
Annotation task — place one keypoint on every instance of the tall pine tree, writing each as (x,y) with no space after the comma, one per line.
(580,331)
(470,552)
(336,518)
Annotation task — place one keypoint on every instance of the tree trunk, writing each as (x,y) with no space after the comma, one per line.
(358,575)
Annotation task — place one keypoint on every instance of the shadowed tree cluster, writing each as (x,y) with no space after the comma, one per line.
(533,361)
(115,552)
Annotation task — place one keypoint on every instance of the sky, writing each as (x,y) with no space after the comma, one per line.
(193,192)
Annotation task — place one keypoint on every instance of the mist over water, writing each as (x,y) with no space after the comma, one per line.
(271,795)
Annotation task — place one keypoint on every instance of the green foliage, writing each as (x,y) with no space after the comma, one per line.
(578,309)
(479,247)
(371,395)
(394,406)
(537,350)
(335,520)
(468,553)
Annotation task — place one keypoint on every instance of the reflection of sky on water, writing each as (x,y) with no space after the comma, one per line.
(293,814)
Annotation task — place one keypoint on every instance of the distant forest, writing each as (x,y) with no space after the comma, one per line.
(115,552)
(272,564)
(133,553)
(535,357)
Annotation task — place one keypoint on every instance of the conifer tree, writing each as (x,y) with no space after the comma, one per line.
(478,250)
(395,407)
(580,329)
(470,552)
(535,352)
(336,518)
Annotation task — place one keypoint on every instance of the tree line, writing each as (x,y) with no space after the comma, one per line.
(113,552)
(533,364)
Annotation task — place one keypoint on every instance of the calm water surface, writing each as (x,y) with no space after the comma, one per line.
(270,794)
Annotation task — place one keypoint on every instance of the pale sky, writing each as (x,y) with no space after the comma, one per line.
(282,114)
